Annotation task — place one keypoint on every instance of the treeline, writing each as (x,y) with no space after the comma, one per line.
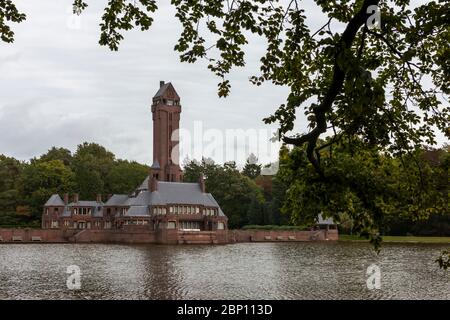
(368,190)
(91,170)
(400,195)
(246,197)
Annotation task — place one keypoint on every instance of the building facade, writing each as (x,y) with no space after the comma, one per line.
(162,204)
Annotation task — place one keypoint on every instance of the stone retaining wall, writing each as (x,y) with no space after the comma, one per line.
(33,235)
(281,235)
(143,234)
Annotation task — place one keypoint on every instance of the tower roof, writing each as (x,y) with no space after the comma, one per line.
(166,90)
(155,165)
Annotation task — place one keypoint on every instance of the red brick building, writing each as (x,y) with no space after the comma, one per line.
(162,204)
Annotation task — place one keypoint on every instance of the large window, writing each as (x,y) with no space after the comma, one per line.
(171,225)
(189,225)
(220,226)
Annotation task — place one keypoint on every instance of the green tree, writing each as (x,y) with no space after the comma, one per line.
(54,153)
(38,181)
(252,169)
(234,192)
(125,176)
(10,170)
(368,187)
(192,170)
(92,163)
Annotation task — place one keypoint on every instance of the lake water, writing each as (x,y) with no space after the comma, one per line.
(237,271)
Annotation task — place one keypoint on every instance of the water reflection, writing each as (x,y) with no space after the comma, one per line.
(240,271)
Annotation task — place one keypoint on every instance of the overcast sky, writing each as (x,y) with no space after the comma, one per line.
(59,87)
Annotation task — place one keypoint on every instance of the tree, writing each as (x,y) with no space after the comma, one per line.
(369,188)
(39,180)
(236,193)
(10,170)
(252,169)
(125,176)
(57,154)
(92,163)
(255,213)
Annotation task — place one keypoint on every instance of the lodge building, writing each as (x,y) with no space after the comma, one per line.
(162,203)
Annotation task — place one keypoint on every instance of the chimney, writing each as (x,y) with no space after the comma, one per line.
(66,199)
(75,197)
(153,184)
(99,197)
(201,182)
(161,83)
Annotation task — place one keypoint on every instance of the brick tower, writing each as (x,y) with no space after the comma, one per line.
(166,111)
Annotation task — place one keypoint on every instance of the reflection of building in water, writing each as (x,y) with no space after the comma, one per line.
(171,210)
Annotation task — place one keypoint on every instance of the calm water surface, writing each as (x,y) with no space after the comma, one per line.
(238,271)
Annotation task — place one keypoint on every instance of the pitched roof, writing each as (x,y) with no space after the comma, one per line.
(138,211)
(172,192)
(54,200)
(167,91)
(144,184)
(167,193)
(82,203)
(117,200)
(155,165)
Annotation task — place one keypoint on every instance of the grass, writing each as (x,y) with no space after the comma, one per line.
(387,239)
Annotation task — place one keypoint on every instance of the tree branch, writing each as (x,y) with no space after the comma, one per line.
(345,43)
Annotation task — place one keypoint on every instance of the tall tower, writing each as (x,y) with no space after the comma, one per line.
(166,111)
